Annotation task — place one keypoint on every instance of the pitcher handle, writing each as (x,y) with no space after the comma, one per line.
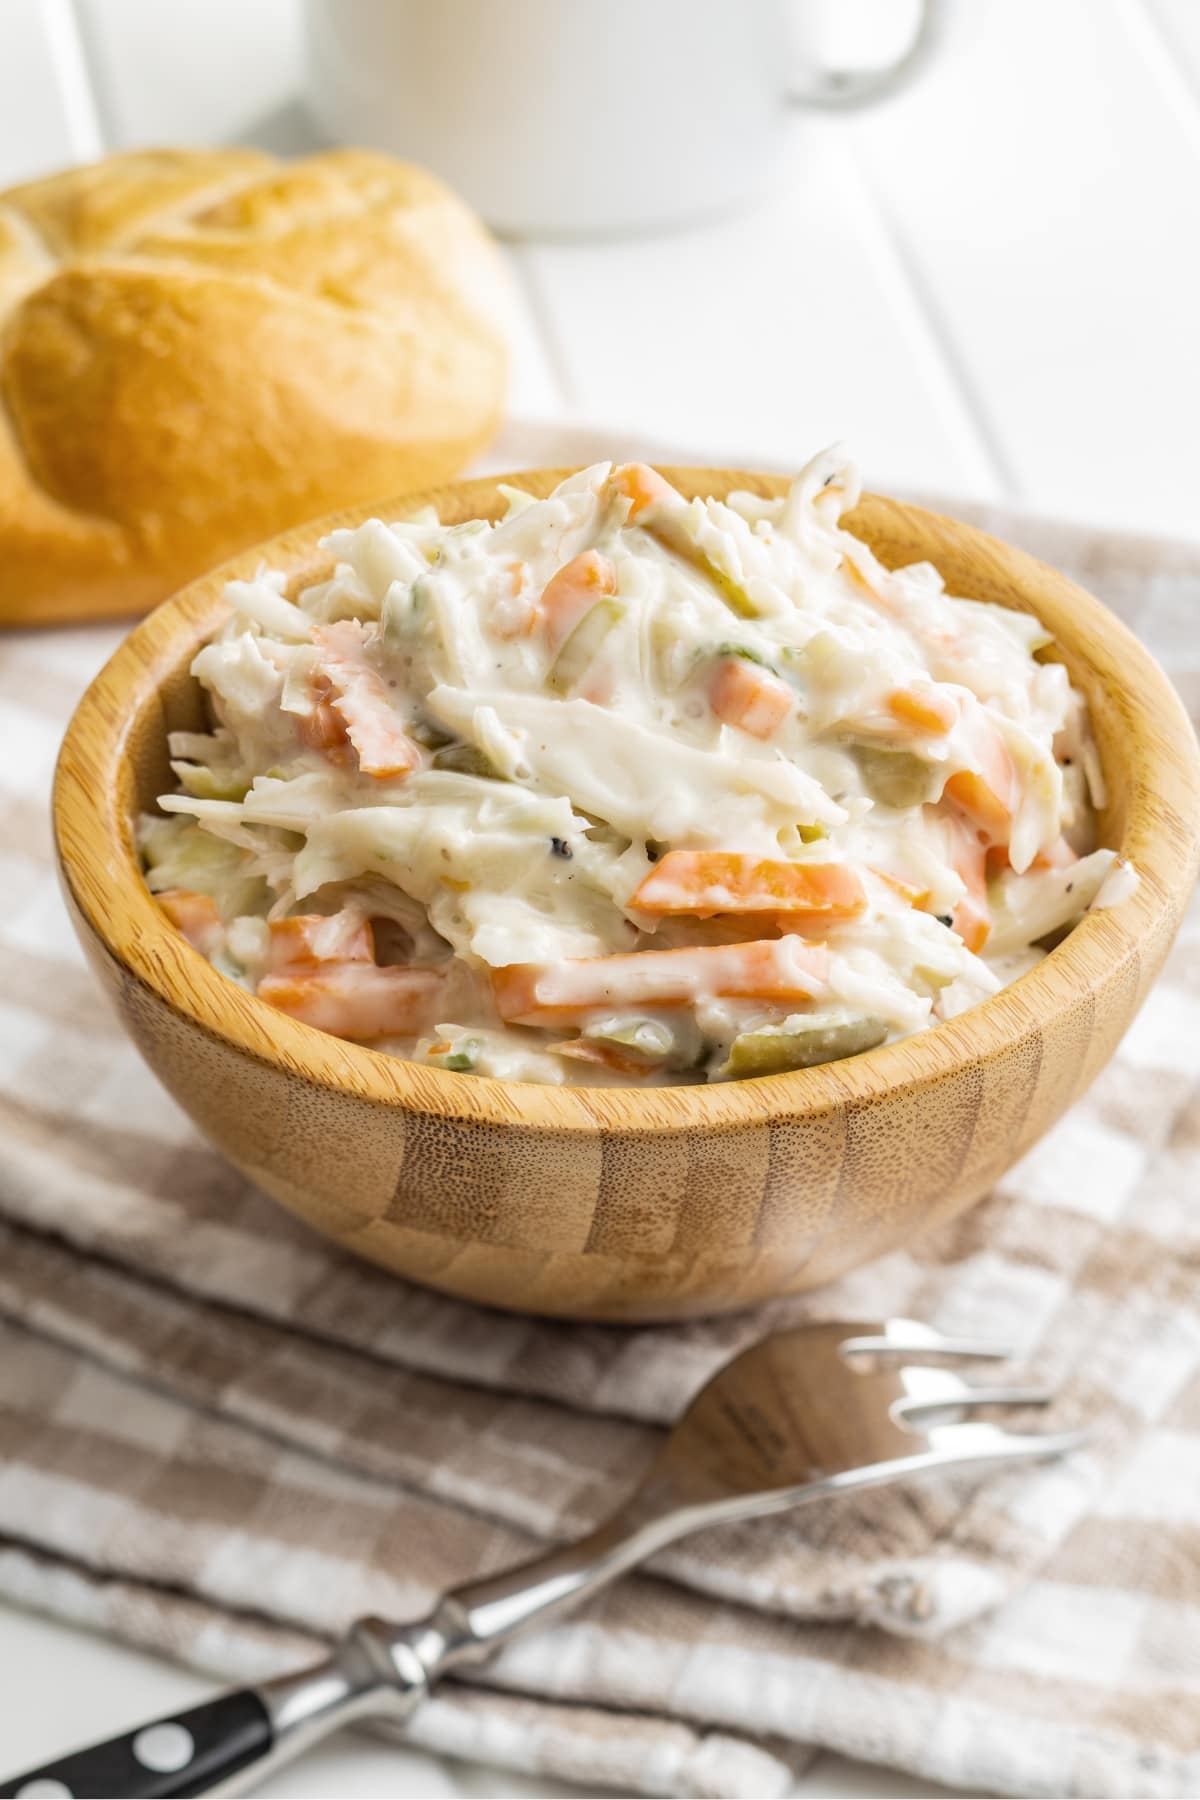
(832,87)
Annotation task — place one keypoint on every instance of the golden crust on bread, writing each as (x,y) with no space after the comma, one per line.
(199,349)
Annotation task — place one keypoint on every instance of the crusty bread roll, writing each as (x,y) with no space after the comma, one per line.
(201,348)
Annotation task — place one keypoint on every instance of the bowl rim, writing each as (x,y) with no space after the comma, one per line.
(98,863)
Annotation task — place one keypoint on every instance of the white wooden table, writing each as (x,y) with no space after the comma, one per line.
(990,285)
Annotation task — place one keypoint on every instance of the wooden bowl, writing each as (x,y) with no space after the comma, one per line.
(618,1203)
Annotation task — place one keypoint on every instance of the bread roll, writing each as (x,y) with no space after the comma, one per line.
(199,349)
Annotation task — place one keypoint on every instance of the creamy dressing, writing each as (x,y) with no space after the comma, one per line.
(627,788)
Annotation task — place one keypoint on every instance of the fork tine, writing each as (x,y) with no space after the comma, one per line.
(909,1337)
(929,1384)
(977,1442)
(967,1397)
(929,1391)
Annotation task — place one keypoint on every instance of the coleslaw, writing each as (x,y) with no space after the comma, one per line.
(626,788)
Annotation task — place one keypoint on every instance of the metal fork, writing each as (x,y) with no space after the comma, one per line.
(801,1415)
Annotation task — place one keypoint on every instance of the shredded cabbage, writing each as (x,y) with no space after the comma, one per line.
(629,788)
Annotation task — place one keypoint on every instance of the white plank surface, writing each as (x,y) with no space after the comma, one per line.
(196,71)
(1176,23)
(770,333)
(1051,200)
(47,111)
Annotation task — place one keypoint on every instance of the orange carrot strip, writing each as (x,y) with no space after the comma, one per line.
(307,939)
(585,1050)
(195,915)
(742,694)
(322,729)
(971,917)
(988,796)
(1059,856)
(923,708)
(572,591)
(362,702)
(911,895)
(784,968)
(860,579)
(980,802)
(662,511)
(643,487)
(355,999)
(971,923)
(704,882)
(515,614)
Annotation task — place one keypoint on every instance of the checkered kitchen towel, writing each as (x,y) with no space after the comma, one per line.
(222,1438)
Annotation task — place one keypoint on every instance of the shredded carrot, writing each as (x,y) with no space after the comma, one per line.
(923,708)
(1059,856)
(971,923)
(362,702)
(355,1000)
(988,794)
(662,511)
(971,918)
(572,591)
(981,803)
(195,915)
(322,728)
(643,487)
(606,1055)
(865,585)
(742,694)
(912,896)
(516,613)
(307,939)
(705,882)
(786,968)
(598,687)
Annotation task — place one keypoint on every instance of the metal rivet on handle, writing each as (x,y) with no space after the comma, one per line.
(164,1748)
(44,1788)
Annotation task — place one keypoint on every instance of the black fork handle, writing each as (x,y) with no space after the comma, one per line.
(184,1753)
(229,1743)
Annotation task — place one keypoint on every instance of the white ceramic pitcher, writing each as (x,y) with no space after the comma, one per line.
(577,116)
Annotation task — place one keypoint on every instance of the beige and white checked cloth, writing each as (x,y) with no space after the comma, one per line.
(222,1438)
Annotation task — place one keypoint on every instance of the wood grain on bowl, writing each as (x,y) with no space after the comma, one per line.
(619,1203)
